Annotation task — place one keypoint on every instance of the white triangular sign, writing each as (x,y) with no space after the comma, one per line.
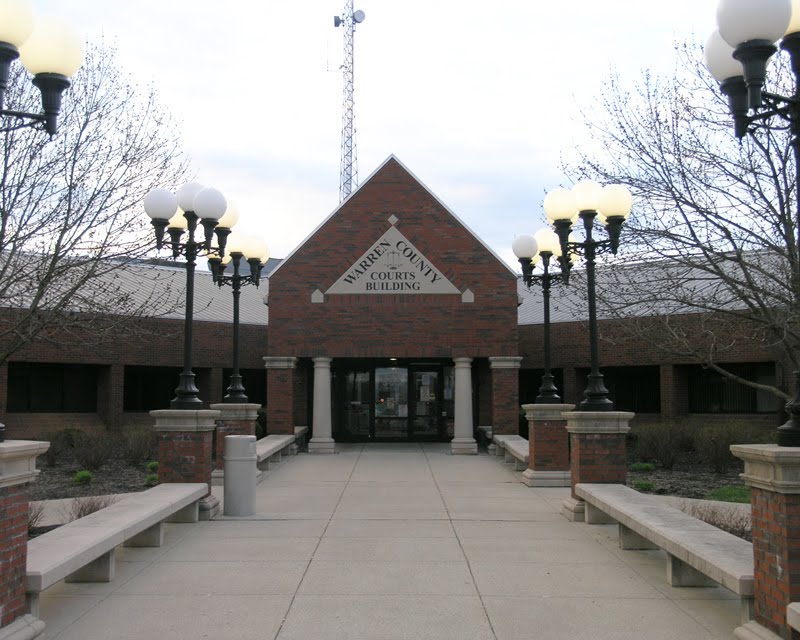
(393,265)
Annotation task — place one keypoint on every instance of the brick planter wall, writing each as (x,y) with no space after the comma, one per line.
(548,442)
(185,450)
(773,473)
(17,470)
(597,452)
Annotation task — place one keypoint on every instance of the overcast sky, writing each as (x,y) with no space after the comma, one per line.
(478,100)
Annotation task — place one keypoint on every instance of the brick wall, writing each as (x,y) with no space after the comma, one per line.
(14,551)
(598,458)
(185,456)
(505,401)
(382,325)
(776,522)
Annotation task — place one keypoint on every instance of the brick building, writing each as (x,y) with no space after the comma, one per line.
(392,321)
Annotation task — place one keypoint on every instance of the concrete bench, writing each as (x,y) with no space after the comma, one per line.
(271,449)
(698,554)
(514,449)
(83,550)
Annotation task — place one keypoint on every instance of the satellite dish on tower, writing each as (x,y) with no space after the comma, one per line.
(358,16)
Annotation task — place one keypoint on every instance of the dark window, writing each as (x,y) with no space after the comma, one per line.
(149,388)
(52,388)
(254,382)
(711,392)
(636,389)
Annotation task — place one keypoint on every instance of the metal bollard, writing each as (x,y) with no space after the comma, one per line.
(240,476)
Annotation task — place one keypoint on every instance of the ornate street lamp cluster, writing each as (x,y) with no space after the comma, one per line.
(49,49)
(737,55)
(197,204)
(254,251)
(589,202)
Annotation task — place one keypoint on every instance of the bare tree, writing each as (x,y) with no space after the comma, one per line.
(713,229)
(70,207)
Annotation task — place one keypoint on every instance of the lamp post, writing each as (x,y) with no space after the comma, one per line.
(737,55)
(255,252)
(197,204)
(589,201)
(529,249)
(49,49)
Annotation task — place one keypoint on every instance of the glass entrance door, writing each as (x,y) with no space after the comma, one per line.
(399,402)
(391,403)
(426,406)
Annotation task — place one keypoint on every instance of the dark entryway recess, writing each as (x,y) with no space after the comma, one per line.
(392,400)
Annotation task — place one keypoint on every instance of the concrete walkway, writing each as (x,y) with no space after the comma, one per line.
(391,542)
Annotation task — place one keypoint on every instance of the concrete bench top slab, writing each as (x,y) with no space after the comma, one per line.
(723,557)
(58,553)
(272,444)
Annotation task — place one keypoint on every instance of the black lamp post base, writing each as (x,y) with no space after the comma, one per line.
(789,435)
(236,392)
(548,393)
(596,395)
(187,396)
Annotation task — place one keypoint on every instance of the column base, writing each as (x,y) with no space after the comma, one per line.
(322,445)
(754,631)
(26,627)
(534,478)
(209,507)
(463,447)
(573,510)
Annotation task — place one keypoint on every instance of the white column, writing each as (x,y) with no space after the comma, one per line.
(322,442)
(463,441)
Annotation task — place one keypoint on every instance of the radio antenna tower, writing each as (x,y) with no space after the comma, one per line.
(348,168)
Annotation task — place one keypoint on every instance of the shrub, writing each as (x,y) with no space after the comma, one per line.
(728,519)
(139,444)
(35,514)
(662,442)
(261,424)
(80,507)
(714,442)
(643,467)
(151,480)
(731,493)
(152,466)
(82,477)
(643,485)
(92,452)
(60,443)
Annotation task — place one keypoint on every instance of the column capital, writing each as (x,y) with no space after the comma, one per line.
(462,362)
(322,361)
(185,420)
(770,467)
(546,412)
(18,461)
(505,362)
(598,421)
(236,410)
(279,362)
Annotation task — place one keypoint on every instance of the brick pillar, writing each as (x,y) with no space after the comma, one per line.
(280,394)
(184,450)
(235,419)
(773,474)
(548,459)
(17,469)
(505,394)
(110,391)
(597,453)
